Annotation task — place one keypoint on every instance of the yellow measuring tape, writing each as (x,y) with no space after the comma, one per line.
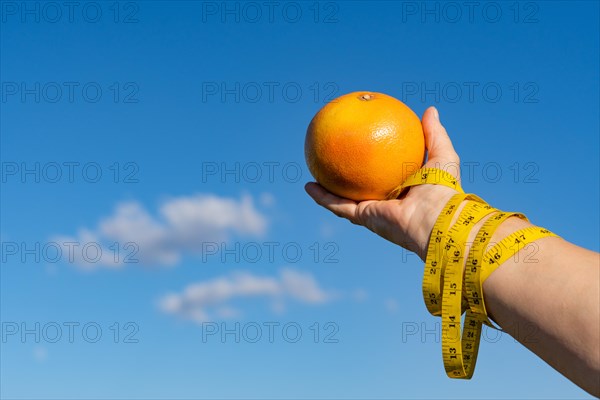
(433,176)
(507,248)
(435,261)
(473,269)
(445,267)
(459,359)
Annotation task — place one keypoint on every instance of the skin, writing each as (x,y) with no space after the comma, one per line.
(549,302)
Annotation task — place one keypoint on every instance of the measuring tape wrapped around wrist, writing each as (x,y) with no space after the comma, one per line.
(445,267)
(435,261)
(493,258)
(432,176)
(473,281)
(459,349)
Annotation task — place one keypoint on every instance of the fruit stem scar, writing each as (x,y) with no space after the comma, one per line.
(365,97)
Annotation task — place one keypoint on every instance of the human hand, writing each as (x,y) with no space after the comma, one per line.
(407,221)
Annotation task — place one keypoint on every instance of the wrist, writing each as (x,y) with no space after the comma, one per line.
(431,201)
(503,230)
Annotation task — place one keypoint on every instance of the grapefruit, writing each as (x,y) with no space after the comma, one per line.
(362,145)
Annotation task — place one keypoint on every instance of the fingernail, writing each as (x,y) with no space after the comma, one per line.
(436,114)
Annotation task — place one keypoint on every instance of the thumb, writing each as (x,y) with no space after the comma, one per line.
(437,141)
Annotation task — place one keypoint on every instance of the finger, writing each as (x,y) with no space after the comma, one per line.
(438,143)
(340,206)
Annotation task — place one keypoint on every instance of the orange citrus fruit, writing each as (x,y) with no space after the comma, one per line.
(362,145)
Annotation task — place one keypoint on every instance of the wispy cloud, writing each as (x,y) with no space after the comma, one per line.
(202,301)
(181,225)
(360,295)
(40,354)
(391,305)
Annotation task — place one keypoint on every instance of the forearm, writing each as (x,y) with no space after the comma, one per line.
(547,297)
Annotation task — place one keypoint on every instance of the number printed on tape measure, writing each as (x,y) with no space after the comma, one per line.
(435,260)
(459,351)
(445,267)
(497,255)
(473,268)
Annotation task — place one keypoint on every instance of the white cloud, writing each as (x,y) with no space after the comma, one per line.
(40,354)
(391,305)
(132,235)
(202,301)
(360,295)
(266,200)
(302,286)
(327,230)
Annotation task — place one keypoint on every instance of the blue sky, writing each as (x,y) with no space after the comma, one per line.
(173,132)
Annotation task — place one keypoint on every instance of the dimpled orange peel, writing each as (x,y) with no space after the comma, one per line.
(363,145)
